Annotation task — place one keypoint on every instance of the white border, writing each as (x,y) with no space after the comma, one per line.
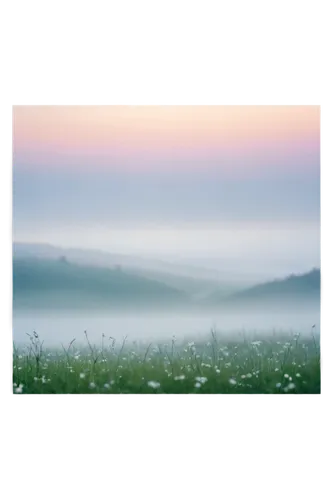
(167,100)
(10,122)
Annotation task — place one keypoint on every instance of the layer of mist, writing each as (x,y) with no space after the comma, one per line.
(61,293)
(55,328)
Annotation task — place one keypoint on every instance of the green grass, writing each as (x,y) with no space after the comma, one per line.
(218,365)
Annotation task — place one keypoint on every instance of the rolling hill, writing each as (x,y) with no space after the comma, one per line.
(196,282)
(57,284)
(291,291)
(54,278)
(167,270)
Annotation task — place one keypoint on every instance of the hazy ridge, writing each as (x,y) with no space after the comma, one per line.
(60,284)
(46,277)
(294,290)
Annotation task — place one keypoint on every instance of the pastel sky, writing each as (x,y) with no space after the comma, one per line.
(170,180)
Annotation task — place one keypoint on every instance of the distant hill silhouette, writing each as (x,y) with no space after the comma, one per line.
(57,278)
(164,270)
(291,290)
(62,284)
(196,282)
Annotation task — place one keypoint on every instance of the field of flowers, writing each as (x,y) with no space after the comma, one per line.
(276,363)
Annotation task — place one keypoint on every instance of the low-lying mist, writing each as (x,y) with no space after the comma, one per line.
(56,328)
(60,298)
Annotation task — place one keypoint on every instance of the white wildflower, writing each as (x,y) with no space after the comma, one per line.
(286,375)
(232,381)
(197,385)
(92,385)
(217,370)
(153,384)
(201,380)
(289,387)
(298,374)
(82,375)
(180,377)
(278,385)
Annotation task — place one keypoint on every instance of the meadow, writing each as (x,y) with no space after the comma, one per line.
(276,363)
